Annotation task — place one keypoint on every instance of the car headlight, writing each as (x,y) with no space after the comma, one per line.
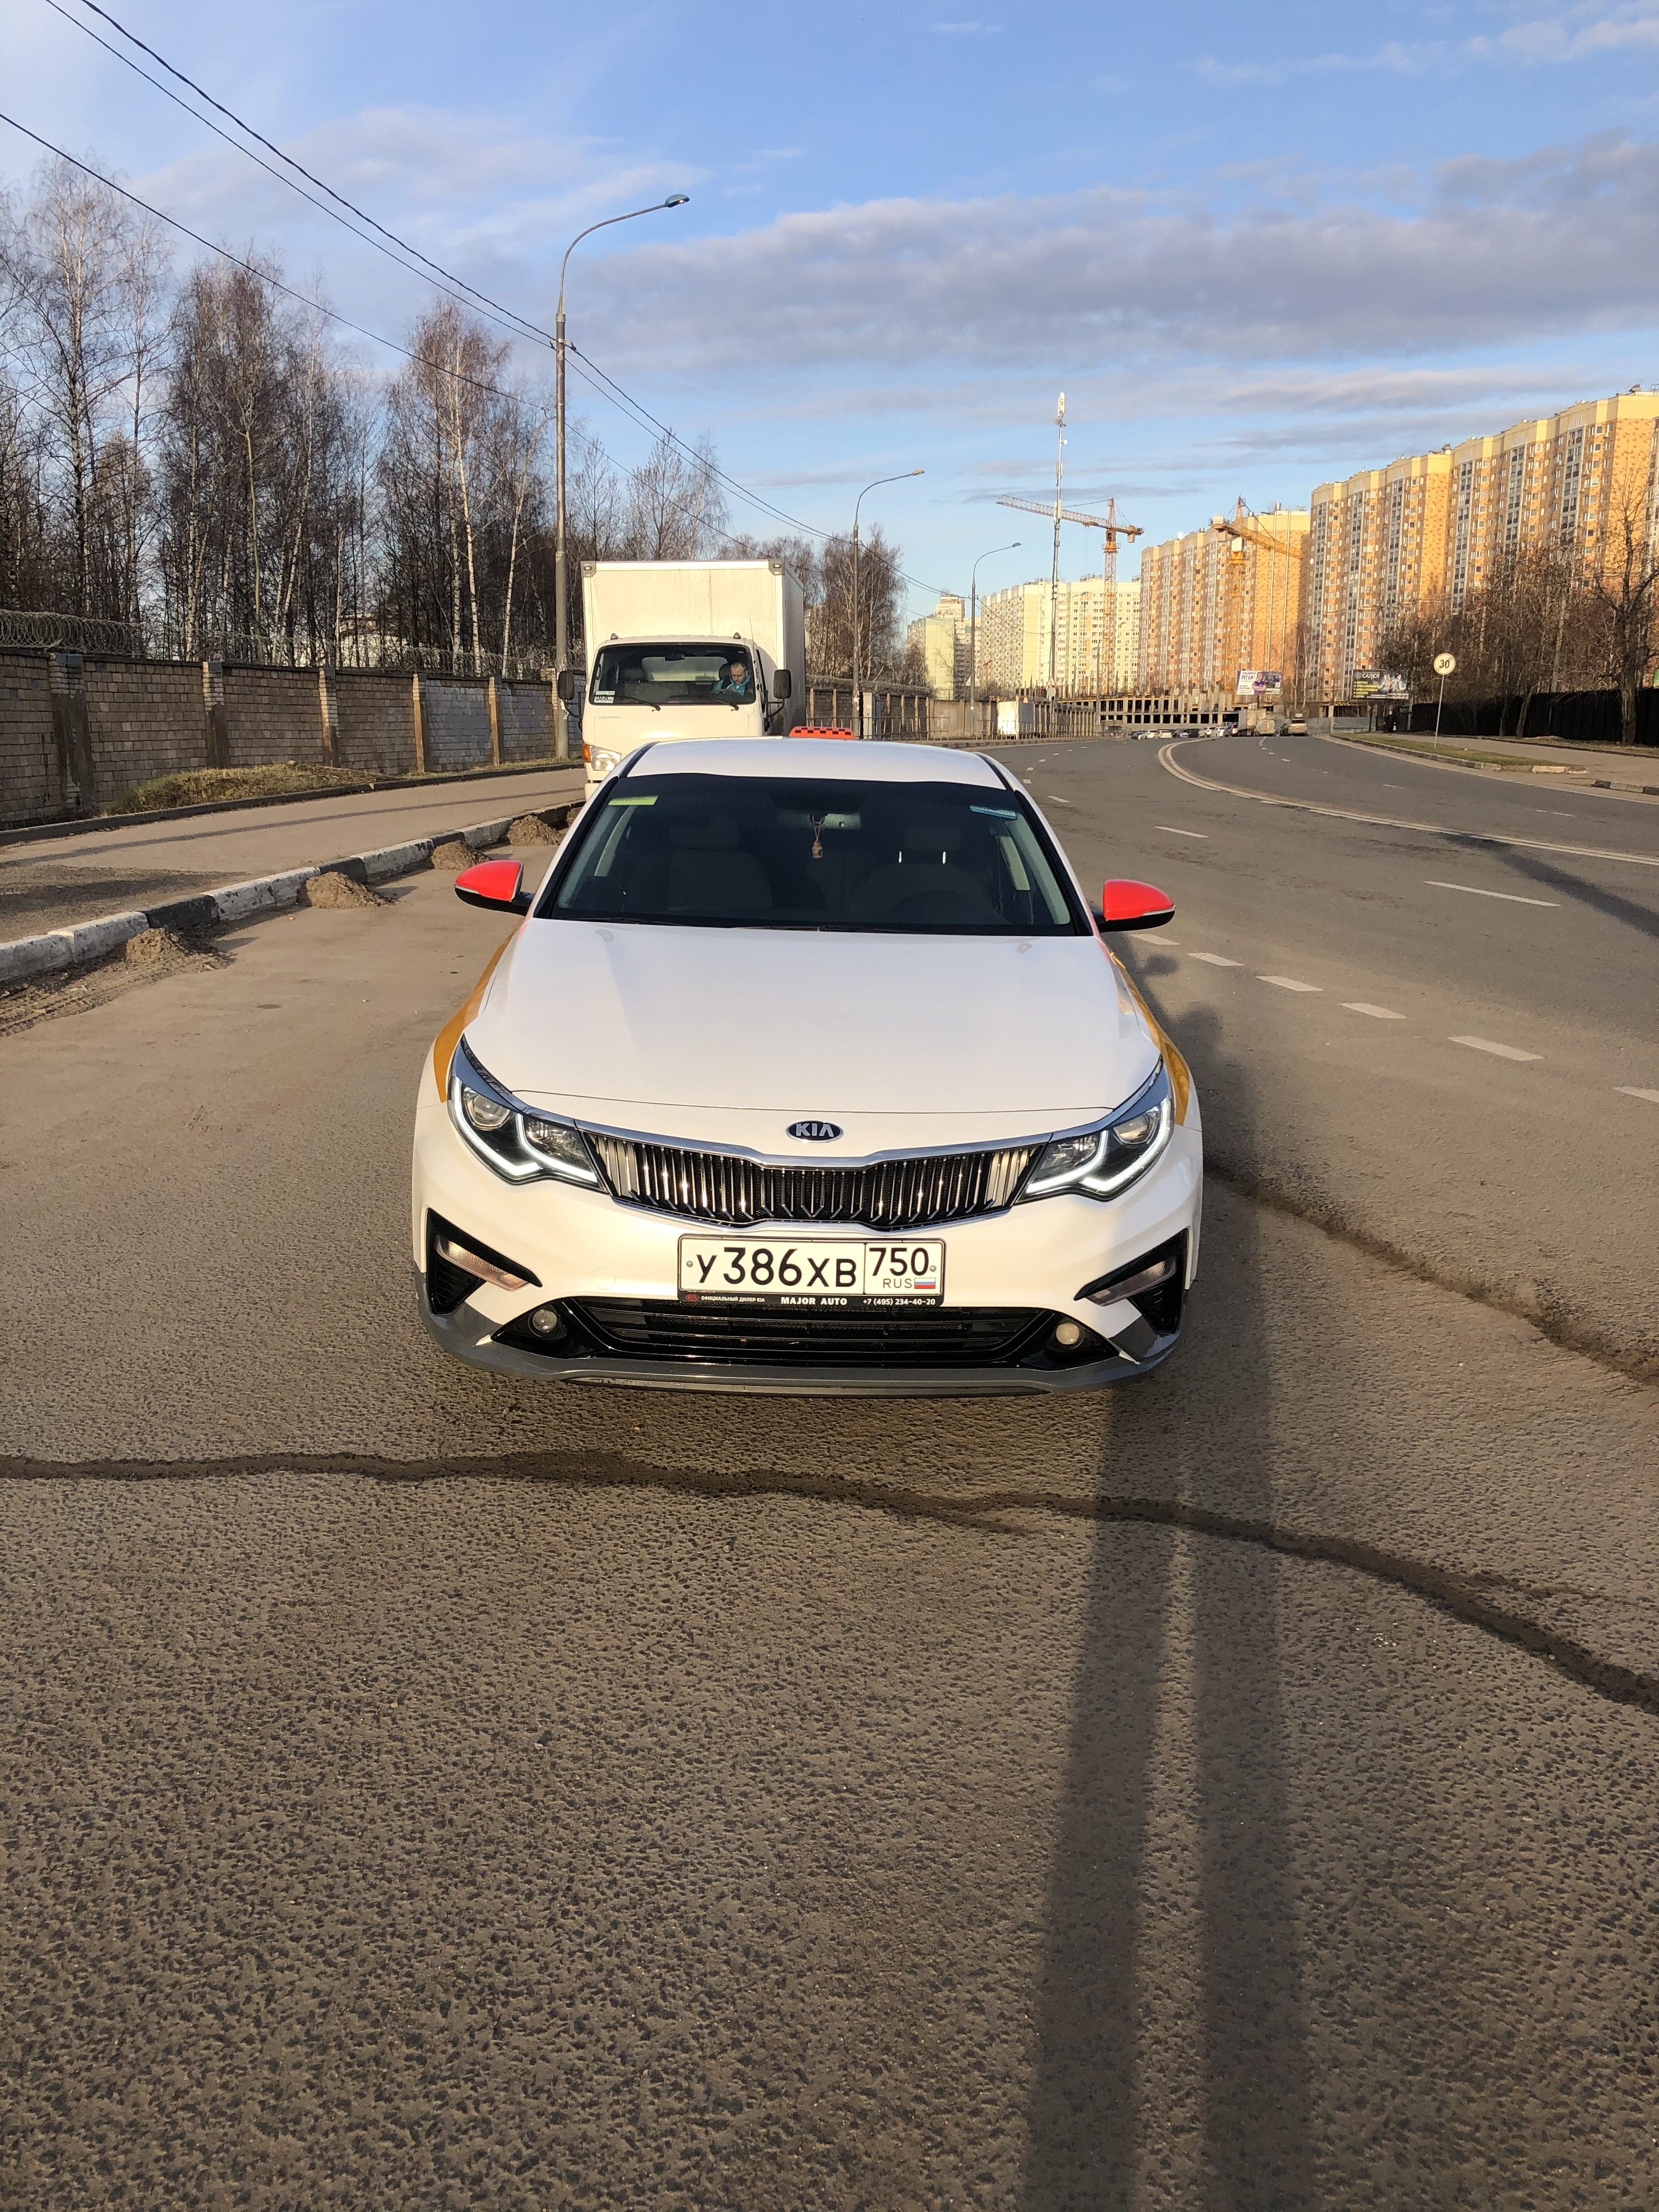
(602,761)
(515,1140)
(1100,1161)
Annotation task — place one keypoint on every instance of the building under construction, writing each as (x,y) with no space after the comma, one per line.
(1222,601)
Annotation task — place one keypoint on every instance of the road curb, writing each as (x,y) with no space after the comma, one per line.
(25,957)
(1500,767)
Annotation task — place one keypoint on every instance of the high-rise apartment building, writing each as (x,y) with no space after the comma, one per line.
(1096,648)
(1427,531)
(1213,603)
(940,640)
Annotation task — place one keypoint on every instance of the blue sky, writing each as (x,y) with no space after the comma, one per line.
(1256,247)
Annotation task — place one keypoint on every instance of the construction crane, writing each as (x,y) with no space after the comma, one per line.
(1240,527)
(1113,531)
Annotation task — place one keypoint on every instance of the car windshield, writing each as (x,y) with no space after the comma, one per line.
(778,853)
(673,676)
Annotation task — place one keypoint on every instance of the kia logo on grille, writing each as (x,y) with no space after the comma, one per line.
(816,1133)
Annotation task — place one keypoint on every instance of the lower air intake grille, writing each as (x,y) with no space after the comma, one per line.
(940,1336)
(910,1194)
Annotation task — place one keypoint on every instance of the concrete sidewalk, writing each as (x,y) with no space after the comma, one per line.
(61,881)
(1623,767)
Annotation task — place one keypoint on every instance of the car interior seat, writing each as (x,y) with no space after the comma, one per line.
(930,876)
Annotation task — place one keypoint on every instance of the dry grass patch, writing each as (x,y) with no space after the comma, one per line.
(204,786)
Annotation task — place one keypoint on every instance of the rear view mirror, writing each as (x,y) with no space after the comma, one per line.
(782,682)
(1128,905)
(569,684)
(494,883)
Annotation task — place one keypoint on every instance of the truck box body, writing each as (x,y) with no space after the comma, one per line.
(686,619)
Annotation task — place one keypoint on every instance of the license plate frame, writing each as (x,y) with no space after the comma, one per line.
(823,1264)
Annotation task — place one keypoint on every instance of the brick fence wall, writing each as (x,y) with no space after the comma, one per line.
(273,715)
(457,725)
(74,733)
(375,732)
(525,713)
(144,718)
(30,784)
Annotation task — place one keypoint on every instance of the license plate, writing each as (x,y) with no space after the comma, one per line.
(830,1272)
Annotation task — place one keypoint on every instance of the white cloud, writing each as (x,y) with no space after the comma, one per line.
(1399,59)
(1578,34)
(1496,252)
(1572,38)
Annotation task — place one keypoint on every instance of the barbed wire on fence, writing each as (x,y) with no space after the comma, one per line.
(41,631)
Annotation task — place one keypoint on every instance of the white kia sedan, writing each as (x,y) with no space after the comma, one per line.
(808,1069)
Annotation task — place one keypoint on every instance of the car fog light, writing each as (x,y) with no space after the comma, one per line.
(1067,1335)
(547,1321)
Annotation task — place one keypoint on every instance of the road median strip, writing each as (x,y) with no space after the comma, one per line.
(24,958)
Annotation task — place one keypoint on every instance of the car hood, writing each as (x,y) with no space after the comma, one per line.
(729,1035)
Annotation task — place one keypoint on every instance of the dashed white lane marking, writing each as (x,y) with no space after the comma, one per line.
(1173,832)
(1474,891)
(1216,960)
(1054,799)
(1486,1044)
(1287,983)
(1632,1090)
(1377,1013)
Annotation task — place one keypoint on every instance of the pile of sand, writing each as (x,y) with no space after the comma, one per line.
(454,856)
(531,830)
(153,946)
(331,889)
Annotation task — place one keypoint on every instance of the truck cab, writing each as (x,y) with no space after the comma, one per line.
(658,675)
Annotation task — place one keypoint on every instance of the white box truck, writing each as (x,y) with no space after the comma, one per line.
(682,649)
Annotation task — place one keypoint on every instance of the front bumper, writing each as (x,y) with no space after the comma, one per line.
(603,1263)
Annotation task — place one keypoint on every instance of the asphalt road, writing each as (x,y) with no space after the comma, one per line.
(1237,1790)
(1444,1047)
(51,883)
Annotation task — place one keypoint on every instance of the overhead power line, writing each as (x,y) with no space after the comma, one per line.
(435,268)
(264,277)
(609,388)
(431,271)
(253,267)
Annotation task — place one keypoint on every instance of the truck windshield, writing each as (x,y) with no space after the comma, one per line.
(759,852)
(673,676)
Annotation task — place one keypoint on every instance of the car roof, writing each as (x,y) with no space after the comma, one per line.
(815,759)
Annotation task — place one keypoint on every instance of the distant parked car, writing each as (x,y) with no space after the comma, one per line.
(809,1068)
(1295,727)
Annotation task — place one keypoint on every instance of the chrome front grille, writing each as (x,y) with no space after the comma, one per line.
(908,1193)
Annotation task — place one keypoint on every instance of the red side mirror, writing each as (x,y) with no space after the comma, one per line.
(494,883)
(1126,905)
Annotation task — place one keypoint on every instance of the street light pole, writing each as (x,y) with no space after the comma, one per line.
(857,689)
(561,609)
(973,635)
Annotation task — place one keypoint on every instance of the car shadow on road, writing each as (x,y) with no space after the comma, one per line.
(1170,1954)
(1596,897)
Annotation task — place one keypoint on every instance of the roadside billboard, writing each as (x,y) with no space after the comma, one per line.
(1255,682)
